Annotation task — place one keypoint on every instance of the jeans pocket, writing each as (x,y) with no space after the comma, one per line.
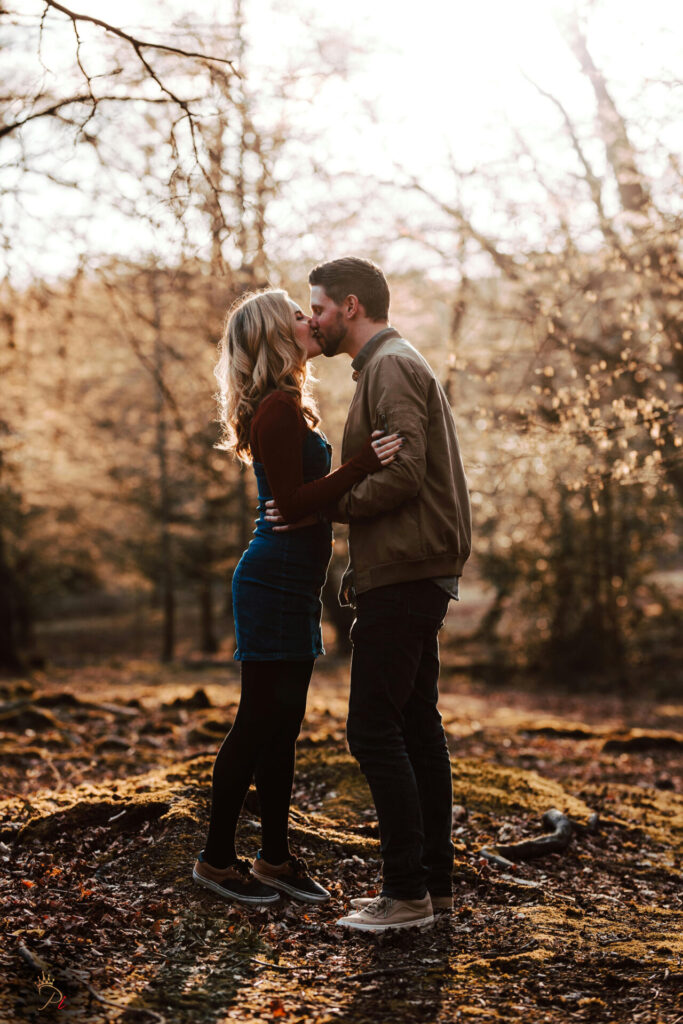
(428,599)
(393,596)
(381,607)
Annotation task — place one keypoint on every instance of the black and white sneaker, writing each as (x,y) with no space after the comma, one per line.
(235,882)
(291,877)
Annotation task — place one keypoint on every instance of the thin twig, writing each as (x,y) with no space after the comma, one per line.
(134,42)
(380,972)
(52,110)
(138,45)
(39,965)
(127,1008)
(275,967)
(493,955)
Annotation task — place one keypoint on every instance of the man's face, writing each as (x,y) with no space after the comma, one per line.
(327,321)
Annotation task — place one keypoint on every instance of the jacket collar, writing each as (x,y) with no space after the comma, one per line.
(370,347)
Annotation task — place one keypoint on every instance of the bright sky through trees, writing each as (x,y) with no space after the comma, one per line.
(430,84)
(436,71)
(516,169)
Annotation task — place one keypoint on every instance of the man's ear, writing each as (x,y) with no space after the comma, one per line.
(352,306)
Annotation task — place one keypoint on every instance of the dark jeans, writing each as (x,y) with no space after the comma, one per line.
(395,733)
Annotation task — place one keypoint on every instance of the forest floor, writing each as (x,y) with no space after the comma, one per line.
(106,788)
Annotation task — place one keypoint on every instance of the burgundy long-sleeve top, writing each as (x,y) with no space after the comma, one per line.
(276,439)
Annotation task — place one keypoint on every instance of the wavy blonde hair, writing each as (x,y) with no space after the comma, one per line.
(257,354)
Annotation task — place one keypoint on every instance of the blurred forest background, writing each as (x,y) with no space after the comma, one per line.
(516,169)
(149,177)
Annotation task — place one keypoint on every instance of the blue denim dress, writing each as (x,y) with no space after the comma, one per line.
(277,583)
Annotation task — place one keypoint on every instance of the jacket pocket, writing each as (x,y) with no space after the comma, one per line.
(393,537)
(381,421)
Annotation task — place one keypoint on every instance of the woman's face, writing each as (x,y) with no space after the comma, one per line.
(302,332)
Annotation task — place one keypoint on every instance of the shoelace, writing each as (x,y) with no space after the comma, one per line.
(380,906)
(242,866)
(299,867)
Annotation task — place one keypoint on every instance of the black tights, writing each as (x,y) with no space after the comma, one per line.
(260,745)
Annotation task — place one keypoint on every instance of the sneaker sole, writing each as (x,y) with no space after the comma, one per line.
(361,926)
(248,901)
(298,894)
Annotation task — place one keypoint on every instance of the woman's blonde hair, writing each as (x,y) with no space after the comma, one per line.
(257,354)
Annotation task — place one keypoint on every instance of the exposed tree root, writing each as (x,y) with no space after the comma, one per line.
(639,740)
(561,828)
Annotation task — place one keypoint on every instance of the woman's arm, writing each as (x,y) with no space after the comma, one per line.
(277,437)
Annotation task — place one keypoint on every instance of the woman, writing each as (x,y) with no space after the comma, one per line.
(269,419)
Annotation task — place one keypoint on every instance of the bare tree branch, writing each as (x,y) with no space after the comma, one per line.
(143,50)
(85,98)
(504,262)
(134,42)
(633,193)
(590,177)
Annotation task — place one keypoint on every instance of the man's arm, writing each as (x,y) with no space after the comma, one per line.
(398,391)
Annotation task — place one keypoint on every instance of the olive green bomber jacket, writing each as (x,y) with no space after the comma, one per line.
(410,520)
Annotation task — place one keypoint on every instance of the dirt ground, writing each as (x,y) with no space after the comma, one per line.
(106,775)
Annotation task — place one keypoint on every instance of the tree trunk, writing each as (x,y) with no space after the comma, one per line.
(207,628)
(208,641)
(619,149)
(615,637)
(166,580)
(10,658)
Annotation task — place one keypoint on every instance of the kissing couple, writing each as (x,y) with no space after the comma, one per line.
(402,490)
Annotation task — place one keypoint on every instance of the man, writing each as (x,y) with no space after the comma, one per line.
(409,537)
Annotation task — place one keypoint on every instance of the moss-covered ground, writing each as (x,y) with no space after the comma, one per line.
(106,775)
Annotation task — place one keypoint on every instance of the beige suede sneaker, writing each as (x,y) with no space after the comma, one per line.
(440,904)
(384,913)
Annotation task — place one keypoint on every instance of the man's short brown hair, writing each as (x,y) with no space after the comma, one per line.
(354,276)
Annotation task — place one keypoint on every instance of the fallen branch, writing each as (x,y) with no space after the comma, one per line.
(127,1008)
(497,953)
(36,963)
(561,829)
(69,700)
(276,967)
(381,972)
(637,740)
